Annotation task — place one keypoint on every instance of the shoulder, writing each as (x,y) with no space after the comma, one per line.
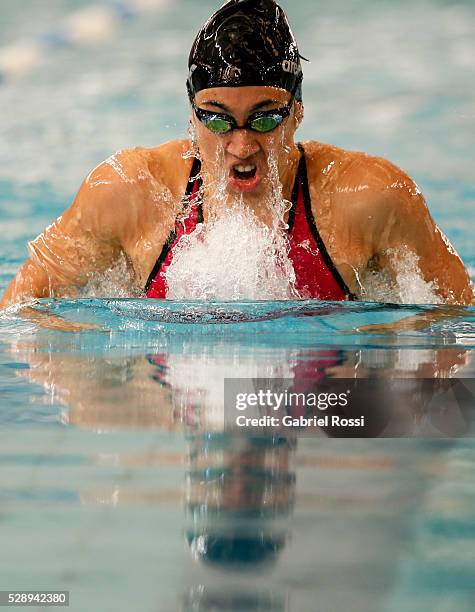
(128,180)
(128,169)
(369,182)
(170,164)
(365,197)
(344,164)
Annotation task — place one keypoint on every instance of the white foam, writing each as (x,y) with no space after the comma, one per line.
(406,286)
(235,256)
(117,281)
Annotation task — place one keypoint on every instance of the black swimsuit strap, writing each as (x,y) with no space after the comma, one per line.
(195,177)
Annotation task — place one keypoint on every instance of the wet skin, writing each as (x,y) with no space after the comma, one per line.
(363,205)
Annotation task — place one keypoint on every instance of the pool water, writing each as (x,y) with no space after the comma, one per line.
(109,488)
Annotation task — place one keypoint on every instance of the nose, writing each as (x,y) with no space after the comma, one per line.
(242,144)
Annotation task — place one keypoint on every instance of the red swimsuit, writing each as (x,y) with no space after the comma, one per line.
(316,275)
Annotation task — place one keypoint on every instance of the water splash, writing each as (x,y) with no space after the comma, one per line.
(234,255)
(406,287)
(240,253)
(117,281)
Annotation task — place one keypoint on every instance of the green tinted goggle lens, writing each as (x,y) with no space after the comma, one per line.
(218,126)
(266,123)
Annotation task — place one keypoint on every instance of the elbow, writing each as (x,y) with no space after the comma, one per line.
(31,282)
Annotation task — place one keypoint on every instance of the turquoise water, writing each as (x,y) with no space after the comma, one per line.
(103,474)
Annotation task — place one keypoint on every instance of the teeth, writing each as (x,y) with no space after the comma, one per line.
(242,168)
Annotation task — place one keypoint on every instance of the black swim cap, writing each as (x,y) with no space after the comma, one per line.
(236,550)
(246,42)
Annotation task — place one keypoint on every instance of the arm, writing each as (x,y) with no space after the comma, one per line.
(404,226)
(82,241)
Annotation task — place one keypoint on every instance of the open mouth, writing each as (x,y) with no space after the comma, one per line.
(244,177)
(243,172)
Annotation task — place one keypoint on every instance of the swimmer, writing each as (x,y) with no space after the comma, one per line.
(349,211)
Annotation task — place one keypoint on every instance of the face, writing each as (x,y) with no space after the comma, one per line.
(246,152)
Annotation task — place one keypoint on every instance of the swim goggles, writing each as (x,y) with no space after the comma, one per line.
(262,121)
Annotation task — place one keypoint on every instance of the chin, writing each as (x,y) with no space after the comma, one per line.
(246,191)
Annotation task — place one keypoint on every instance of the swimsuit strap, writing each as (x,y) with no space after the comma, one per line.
(302,205)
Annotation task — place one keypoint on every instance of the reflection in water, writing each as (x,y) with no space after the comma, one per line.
(183,384)
(239,493)
(240,497)
(199,599)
